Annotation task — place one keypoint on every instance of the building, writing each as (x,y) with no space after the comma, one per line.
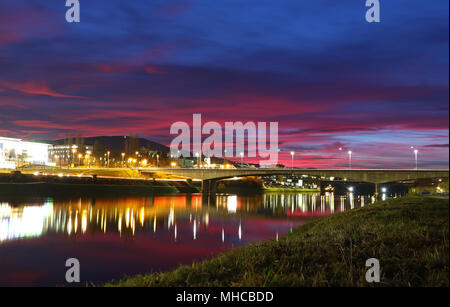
(15,152)
(69,154)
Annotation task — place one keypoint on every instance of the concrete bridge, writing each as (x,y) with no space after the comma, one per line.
(210,177)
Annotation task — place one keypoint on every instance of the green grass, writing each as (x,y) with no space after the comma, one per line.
(409,236)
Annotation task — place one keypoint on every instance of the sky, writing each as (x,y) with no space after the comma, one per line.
(329,78)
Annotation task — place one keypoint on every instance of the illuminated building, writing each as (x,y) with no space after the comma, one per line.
(67,153)
(15,152)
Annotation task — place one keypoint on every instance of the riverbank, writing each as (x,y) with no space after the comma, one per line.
(408,235)
(293,190)
(74,190)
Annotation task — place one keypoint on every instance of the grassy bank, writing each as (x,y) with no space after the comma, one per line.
(409,236)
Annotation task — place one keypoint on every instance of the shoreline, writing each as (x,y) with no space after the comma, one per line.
(408,235)
(46,189)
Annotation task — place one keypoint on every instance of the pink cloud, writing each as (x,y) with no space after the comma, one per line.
(37,88)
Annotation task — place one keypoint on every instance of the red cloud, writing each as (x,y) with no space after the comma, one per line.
(37,88)
(154,70)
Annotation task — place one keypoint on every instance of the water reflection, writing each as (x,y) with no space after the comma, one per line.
(131,235)
(132,215)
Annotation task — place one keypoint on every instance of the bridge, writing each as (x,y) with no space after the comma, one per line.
(210,177)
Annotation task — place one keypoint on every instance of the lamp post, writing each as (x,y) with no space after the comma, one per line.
(88,157)
(292,159)
(415,157)
(73,155)
(108,157)
(242,159)
(199,159)
(350,159)
(123,159)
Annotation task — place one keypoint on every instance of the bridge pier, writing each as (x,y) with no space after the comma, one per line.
(377,190)
(209,186)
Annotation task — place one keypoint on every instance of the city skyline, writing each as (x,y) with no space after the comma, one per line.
(328,77)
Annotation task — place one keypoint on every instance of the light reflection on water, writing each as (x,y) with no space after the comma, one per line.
(141,234)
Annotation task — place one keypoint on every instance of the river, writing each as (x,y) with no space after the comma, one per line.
(114,237)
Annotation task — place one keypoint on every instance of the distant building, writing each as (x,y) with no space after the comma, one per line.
(68,153)
(15,152)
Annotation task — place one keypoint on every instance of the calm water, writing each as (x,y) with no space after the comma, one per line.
(112,237)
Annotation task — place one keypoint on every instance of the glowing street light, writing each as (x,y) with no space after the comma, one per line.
(198,158)
(108,157)
(292,159)
(74,151)
(415,157)
(242,158)
(123,158)
(349,159)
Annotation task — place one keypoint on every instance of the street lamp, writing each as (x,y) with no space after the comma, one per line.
(198,159)
(108,157)
(123,158)
(88,157)
(349,159)
(242,159)
(292,159)
(73,155)
(415,157)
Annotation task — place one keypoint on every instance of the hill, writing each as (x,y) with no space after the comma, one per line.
(117,143)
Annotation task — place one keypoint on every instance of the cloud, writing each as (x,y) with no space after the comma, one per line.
(437,145)
(37,88)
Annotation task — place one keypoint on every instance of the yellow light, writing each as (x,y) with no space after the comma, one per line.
(173,164)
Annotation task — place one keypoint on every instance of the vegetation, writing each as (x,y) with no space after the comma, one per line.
(408,235)
(242,185)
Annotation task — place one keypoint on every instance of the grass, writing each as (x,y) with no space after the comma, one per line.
(408,235)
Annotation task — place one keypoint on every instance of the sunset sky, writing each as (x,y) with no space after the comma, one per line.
(329,78)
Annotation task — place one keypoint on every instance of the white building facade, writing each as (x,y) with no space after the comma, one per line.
(15,151)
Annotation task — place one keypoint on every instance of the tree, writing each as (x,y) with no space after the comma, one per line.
(99,149)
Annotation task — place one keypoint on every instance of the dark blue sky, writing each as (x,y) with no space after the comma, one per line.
(317,67)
